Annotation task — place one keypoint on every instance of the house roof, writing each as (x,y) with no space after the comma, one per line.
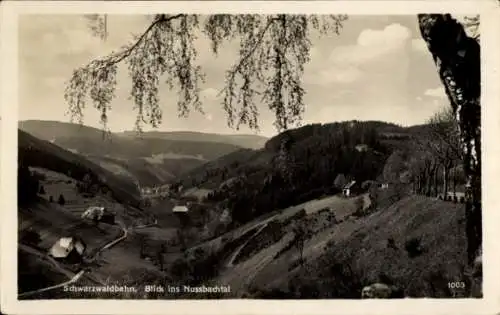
(93,212)
(349,185)
(65,245)
(180,209)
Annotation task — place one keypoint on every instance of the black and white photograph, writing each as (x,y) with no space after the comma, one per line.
(249,156)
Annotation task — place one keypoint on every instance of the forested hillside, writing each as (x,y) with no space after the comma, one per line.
(302,164)
(34,152)
(295,166)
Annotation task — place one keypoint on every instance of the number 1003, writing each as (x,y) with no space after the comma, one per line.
(456,285)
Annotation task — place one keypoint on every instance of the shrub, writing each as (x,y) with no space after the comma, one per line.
(61,200)
(413,247)
(30,237)
(391,243)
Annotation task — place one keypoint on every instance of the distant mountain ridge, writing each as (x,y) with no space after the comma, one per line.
(244,140)
(151,157)
(51,129)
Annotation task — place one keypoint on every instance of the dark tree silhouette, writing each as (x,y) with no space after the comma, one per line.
(61,200)
(273,51)
(442,140)
(27,185)
(41,191)
(457,58)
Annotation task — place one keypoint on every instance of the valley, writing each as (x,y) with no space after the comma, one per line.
(273,222)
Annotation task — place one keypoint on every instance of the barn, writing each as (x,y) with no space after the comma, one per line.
(180,209)
(69,249)
(352,188)
(100,214)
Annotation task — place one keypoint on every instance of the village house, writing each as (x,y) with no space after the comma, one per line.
(361,147)
(68,249)
(351,189)
(100,214)
(180,209)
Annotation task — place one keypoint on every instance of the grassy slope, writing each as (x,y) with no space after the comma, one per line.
(362,244)
(119,264)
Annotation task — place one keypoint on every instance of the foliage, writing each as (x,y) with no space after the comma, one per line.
(61,200)
(317,153)
(30,237)
(41,191)
(39,153)
(413,247)
(273,51)
(302,232)
(457,58)
(27,185)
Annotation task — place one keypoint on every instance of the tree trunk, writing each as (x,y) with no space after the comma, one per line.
(445,180)
(428,188)
(435,182)
(457,58)
(454,183)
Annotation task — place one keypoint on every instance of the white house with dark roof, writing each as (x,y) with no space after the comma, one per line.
(351,188)
(70,248)
(180,209)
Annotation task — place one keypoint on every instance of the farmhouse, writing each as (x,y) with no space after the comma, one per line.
(361,147)
(100,214)
(69,249)
(180,209)
(351,188)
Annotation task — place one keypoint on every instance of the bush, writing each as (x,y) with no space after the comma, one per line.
(61,200)
(30,237)
(413,247)
(391,243)
(27,185)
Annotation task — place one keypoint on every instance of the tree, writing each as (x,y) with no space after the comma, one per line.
(301,233)
(457,58)
(273,51)
(394,167)
(61,200)
(442,141)
(27,185)
(86,185)
(30,237)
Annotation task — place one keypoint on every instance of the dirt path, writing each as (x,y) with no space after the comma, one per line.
(240,248)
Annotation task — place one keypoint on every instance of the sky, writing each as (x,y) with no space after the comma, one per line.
(378,68)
